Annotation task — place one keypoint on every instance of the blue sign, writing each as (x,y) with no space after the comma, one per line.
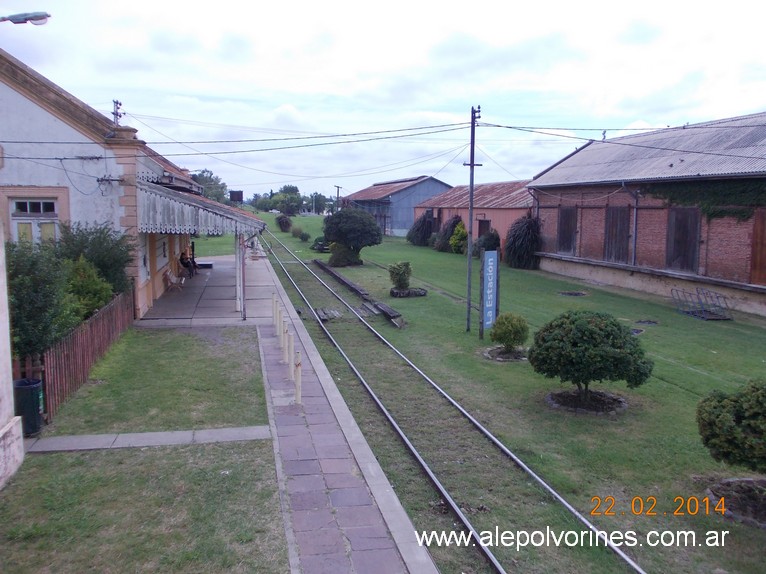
(489,296)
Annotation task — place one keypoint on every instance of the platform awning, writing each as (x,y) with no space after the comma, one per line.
(162,210)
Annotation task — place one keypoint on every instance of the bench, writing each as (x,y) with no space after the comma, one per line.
(172,282)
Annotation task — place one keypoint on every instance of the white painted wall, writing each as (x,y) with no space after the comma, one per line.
(48,164)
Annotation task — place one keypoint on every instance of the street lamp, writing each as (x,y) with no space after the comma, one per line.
(36,18)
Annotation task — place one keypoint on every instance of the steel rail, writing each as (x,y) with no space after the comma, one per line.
(421,461)
(499,444)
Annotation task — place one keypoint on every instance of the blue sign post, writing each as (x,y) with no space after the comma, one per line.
(489,291)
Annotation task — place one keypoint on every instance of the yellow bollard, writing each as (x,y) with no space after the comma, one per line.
(298,377)
(274,309)
(291,353)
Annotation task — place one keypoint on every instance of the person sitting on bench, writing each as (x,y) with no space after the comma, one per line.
(189,264)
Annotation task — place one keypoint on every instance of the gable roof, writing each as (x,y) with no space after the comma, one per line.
(386,189)
(499,195)
(175,193)
(734,147)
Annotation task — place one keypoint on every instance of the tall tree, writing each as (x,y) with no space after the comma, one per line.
(289,189)
(212,186)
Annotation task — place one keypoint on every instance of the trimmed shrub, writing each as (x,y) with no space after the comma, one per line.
(459,239)
(84,282)
(523,240)
(342,256)
(296,231)
(510,331)
(304,236)
(733,427)
(320,244)
(585,346)
(400,274)
(283,222)
(490,241)
(445,233)
(110,251)
(41,310)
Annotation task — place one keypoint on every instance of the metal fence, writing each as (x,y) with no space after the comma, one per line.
(65,366)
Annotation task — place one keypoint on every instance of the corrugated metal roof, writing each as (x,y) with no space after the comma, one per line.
(386,188)
(734,147)
(499,195)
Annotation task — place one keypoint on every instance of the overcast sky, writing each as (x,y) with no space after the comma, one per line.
(233,71)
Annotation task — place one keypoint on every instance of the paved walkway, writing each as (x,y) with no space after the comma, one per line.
(341,513)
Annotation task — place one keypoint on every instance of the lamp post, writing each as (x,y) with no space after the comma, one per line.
(36,18)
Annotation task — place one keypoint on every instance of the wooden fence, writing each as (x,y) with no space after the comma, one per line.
(65,366)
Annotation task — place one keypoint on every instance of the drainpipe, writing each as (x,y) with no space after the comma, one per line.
(635,225)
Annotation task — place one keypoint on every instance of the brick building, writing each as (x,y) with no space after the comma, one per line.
(675,208)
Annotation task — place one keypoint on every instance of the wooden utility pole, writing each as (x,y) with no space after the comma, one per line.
(337,198)
(475,115)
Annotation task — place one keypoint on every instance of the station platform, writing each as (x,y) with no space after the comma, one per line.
(341,513)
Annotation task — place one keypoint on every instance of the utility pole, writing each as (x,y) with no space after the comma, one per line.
(337,198)
(475,115)
(117,113)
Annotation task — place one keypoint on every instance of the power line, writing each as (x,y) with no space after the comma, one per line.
(628,144)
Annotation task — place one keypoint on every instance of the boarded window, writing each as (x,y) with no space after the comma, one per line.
(24,231)
(566,240)
(48,231)
(617,234)
(484,225)
(683,239)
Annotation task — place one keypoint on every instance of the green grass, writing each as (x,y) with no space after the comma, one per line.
(653,449)
(199,508)
(224,244)
(163,379)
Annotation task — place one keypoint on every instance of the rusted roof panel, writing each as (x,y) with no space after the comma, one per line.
(734,147)
(385,189)
(499,195)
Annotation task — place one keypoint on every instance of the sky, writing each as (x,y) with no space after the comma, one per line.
(335,96)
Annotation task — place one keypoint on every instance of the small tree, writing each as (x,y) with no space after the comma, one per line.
(420,232)
(585,346)
(400,274)
(733,426)
(353,229)
(510,331)
(522,241)
(284,222)
(443,236)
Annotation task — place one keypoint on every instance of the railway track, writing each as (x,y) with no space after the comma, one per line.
(483,484)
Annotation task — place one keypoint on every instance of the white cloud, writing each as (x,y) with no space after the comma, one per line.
(247,70)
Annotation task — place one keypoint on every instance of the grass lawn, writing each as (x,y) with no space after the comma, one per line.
(198,508)
(165,379)
(650,452)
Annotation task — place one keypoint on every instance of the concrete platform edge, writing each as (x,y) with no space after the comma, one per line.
(292,544)
(416,558)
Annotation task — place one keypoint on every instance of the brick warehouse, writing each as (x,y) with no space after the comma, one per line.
(675,208)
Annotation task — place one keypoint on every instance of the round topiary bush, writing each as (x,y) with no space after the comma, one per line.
(585,346)
(733,426)
(510,331)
